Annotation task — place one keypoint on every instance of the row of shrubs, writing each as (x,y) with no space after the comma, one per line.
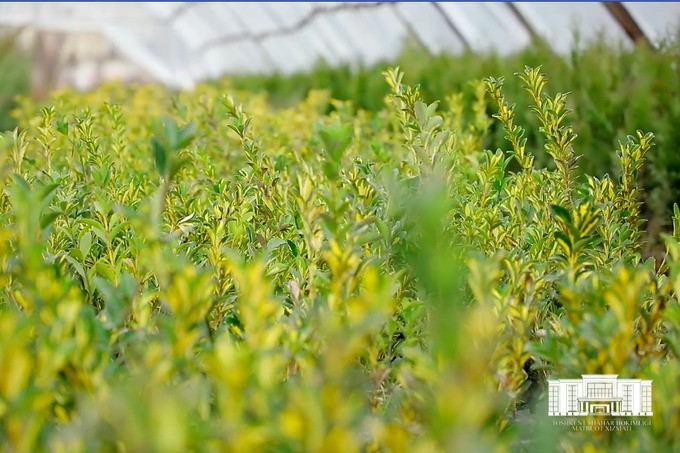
(614,89)
(189,272)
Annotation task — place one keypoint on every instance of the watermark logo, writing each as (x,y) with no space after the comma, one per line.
(600,394)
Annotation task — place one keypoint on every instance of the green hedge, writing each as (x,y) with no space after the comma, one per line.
(180,272)
(614,90)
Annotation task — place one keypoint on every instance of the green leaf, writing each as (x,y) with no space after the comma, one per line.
(383,229)
(171,133)
(587,225)
(186,135)
(77,266)
(62,126)
(85,243)
(47,192)
(336,139)
(331,170)
(561,213)
(160,156)
(47,218)
(273,244)
(21,181)
(293,248)
(175,166)
(420,110)
(105,270)
(564,242)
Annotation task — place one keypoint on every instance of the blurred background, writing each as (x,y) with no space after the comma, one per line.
(619,61)
(178,44)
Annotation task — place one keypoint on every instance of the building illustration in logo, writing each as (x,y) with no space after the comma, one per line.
(600,394)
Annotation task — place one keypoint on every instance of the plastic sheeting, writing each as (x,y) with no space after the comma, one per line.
(181,43)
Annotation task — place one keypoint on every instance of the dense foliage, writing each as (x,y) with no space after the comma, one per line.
(178,275)
(614,90)
(14,77)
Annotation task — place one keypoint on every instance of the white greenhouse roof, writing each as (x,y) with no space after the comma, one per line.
(181,43)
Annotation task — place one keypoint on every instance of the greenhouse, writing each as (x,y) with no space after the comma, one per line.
(339,227)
